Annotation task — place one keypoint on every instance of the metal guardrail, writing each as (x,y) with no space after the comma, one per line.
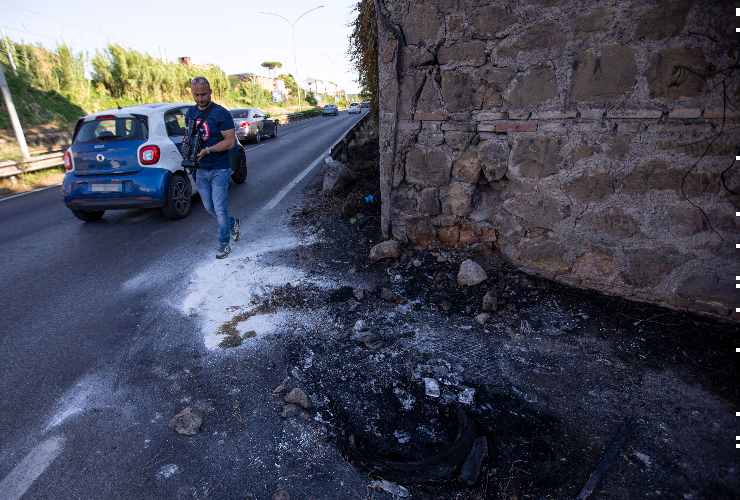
(42,162)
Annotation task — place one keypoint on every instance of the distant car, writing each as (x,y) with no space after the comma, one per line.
(365,105)
(354,108)
(330,110)
(130,158)
(253,124)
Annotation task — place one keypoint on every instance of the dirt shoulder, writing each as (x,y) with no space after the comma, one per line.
(406,379)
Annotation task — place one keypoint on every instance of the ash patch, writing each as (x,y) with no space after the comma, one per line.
(547,375)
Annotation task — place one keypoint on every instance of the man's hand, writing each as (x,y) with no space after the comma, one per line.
(203,152)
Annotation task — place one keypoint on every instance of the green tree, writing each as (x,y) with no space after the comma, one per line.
(363,50)
(271,66)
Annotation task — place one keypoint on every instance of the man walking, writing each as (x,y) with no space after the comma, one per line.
(216,128)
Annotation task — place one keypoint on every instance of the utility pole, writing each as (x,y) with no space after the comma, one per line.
(292,33)
(14,117)
(11,60)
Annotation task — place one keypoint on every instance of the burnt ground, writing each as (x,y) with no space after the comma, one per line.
(559,383)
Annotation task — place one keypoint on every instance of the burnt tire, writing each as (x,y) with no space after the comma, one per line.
(88,215)
(179,197)
(239,171)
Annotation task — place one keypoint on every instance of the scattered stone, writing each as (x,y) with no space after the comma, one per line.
(369,340)
(470,471)
(279,390)
(387,295)
(645,459)
(291,411)
(298,397)
(466,396)
(359,293)
(416,263)
(431,387)
(230,341)
(482,318)
(281,494)
(446,306)
(490,301)
(187,422)
(360,326)
(392,488)
(471,274)
(390,249)
(336,177)
(249,335)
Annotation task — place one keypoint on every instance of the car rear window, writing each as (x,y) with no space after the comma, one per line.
(240,113)
(112,129)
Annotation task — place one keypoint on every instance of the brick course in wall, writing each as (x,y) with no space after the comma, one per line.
(592,144)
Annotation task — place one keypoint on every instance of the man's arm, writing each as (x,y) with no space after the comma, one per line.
(226,144)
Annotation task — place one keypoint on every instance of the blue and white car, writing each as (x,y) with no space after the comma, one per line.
(130,158)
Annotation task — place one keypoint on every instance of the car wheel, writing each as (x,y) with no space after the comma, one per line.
(257,137)
(88,215)
(239,174)
(179,197)
(274,131)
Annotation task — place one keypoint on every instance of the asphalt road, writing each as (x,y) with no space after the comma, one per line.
(94,357)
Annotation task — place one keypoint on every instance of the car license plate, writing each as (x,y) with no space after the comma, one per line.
(105,188)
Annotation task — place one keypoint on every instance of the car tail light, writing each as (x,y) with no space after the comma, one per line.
(68,161)
(244,124)
(105,117)
(149,155)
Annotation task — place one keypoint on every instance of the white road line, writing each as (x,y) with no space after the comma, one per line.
(283,192)
(29,192)
(31,467)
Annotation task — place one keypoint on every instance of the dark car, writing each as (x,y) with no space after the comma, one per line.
(252,124)
(330,110)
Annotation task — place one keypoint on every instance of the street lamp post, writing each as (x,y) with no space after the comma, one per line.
(292,34)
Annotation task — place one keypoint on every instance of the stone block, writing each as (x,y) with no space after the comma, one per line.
(666,20)
(458,90)
(428,138)
(584,151)
(489,116)
(554,115)
(490,20)
(536,86)
(423,25)
(428,201)
(510,126)
(458,140)
(428,168)
(467,168)
(537,209)
(674,73)
(470,53)
(430,101)
(542,35)
(420,231)
(634,114)
(536,157)
(618,147)
(449,236)
(459,199)
(462,126)
(546,256)
(416,56)
(597,20)
(494,156)
(607,76)
(709,291)
(647,267)
(612,223)
(595,266)
(468,235)
(519,114)
(592,114)
(684,113)
(652,175)
(590,186)
(719,114)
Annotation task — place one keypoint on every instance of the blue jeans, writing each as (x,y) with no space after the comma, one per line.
(213,187)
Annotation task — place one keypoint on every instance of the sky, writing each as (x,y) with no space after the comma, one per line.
(235,37)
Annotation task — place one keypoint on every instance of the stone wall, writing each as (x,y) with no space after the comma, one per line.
(591,142)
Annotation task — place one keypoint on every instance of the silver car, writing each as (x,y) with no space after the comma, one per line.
(252,124)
